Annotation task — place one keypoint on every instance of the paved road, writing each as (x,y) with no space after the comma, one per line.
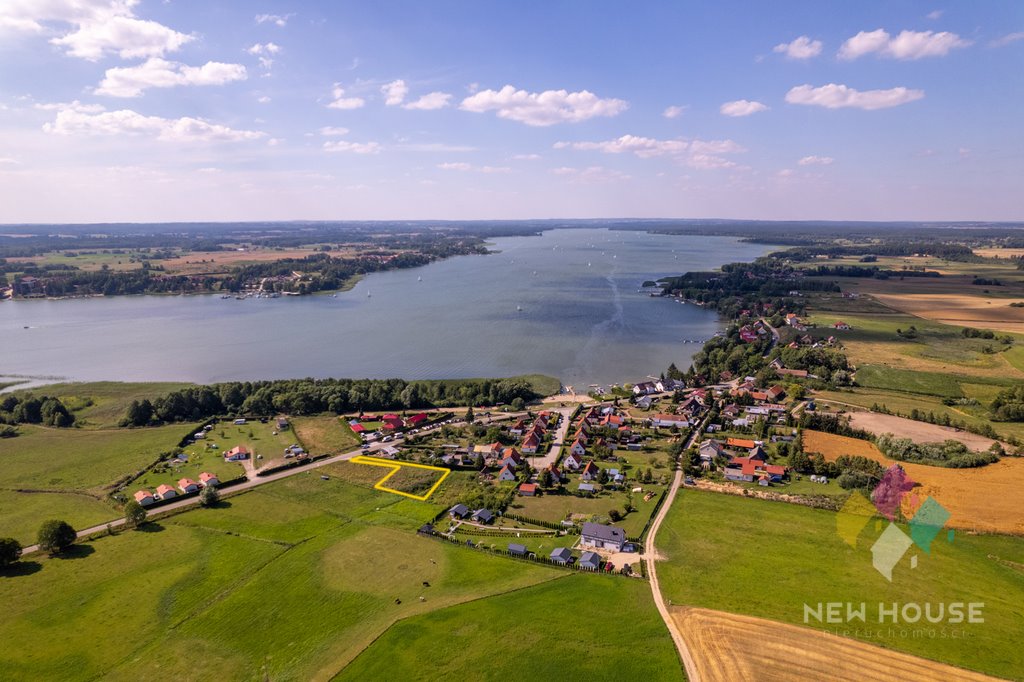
(650,552)
(541,463)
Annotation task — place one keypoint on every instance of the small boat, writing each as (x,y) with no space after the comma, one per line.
(367,294)
(519,308)
(419,279)
(588,264)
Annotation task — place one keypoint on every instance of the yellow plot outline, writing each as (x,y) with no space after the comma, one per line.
(395,468)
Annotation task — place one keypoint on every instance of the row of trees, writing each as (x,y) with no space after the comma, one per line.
(314,396)
(951,453)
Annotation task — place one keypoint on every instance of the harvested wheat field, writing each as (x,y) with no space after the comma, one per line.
(921,432)
(983,499)
(732,647)
(959,309)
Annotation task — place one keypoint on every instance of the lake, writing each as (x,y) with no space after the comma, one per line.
(565,303)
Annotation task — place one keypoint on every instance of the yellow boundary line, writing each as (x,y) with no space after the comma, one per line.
(395,468)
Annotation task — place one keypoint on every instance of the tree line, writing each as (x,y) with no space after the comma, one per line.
(315,396)
(44,410)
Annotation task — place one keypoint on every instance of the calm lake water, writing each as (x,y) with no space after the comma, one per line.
(581,320)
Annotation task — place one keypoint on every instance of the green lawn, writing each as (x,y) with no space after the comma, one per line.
(559,630)
(768,559)
(262,439)
(324,434)
(555,508)
(288,582)
(66,473)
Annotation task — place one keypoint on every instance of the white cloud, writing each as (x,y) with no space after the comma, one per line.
(264,48)
(128,122)
(833,96)
(126,36)
(906,45)
(8,161)
(934,15)
(332,131)
(673,111)
(342,102)
(816,161)
(542,108)
(132,81)
(1007,39)
(394,92)
(591,175)
(526,157)
(694,153)
(466,167)
(430,101)
(264,99)
(72,106)
(95,27)
(742,107)
(276,19)
(435,147)
(352,147)
(801,48)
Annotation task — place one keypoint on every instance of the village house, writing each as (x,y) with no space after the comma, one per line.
(841,326)
(573,461)
(507,473)
(530,444)
(602,537)
(775,393)
(516,549)
(747,470)
(510,457)
(484,516)
(209,480)
(644,402)
(669,420)
(740,443)
(710,449)
(187,485)
(237,453)
(165,492)
(556,475)
(562,556)
(585,488)
(590,472)
(144,497)
(528,489)
(578,448)
(647,387)
(459,511)
(517,428)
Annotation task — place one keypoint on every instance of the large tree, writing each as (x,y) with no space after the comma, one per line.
(10,551)
(134,514)
(56,536)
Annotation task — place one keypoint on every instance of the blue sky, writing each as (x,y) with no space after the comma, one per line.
(142,110)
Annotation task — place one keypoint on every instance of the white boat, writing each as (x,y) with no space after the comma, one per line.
(519,308)
(419,279)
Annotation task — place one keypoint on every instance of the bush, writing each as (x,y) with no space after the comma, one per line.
(853,479)
(134,514)
(209,497)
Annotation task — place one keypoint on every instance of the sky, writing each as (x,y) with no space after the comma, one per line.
(175,110)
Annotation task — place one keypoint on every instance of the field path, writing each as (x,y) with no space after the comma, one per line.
(693,673)
(733,647)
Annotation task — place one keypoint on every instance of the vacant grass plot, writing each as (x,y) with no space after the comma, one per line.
(555,508)
(768,559)
(324,435)
(290,582)
(984,498)
(21,514)
(458,643)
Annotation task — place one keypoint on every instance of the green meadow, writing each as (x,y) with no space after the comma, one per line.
(557,630)
(768,559)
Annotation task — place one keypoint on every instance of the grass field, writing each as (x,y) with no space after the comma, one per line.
(74,467)
(459,643)
(102,404)
(324,435)
(555,508)
(984,498)
(768,559)
(288,582)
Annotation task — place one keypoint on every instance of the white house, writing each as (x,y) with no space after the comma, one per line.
(144,497)
(209,480)
(602,537)
(187,485)
(572,461)
(165,492)
(670,420)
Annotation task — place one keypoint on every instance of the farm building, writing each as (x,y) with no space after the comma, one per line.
(528,489)
(603,537)
(590,561)
(515,549)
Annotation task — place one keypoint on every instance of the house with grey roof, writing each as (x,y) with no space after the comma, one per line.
(459,511)
(590,561)
(515,549)
(483,516)
(602,537)
(562,555)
